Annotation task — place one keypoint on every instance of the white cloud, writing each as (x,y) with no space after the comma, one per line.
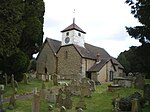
(104,22)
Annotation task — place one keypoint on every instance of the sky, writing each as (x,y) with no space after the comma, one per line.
(103,21)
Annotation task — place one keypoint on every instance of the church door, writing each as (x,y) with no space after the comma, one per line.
(88,75)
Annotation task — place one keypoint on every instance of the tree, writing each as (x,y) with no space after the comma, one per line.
(21,34)
(32,36)
(140,9)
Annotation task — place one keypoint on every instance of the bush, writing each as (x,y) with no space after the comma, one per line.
(125,104)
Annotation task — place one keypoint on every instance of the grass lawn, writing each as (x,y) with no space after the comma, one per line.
(99,102)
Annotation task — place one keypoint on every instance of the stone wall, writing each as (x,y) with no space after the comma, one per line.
(46,59)
(69,63)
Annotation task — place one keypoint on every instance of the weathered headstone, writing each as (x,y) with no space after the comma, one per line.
(36,101)
(92,85)
(25,79)
(55,80)
(67,102)
(14,83)
(136,107)
(116,104)
(12,101)
(1,98)
(43,91)
(139,81)
(59,98)
(85,88)
(74,87)
(147,93)
(51,97)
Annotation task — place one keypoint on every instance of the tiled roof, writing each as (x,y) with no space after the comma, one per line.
(73,26)
(98,66)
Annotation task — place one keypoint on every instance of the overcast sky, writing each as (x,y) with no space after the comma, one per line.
(103,21)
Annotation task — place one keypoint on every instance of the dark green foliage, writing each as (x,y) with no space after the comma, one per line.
(21,34)
(125,104)
(140,9)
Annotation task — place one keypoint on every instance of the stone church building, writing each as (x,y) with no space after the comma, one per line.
(72,58)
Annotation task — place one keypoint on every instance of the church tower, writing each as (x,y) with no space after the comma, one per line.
(73,34)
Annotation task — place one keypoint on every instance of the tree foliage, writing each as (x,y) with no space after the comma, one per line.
(140,9)
(21,33)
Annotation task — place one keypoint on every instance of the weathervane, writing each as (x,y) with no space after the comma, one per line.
(74,16)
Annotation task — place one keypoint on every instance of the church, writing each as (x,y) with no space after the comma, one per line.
(73,58)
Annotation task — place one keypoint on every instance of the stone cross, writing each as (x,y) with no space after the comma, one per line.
(1,98)
(36,101)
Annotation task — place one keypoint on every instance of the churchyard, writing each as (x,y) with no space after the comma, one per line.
(38,96)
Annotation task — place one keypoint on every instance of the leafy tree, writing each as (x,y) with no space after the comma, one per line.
(140,9)
(32,36)
(21,34)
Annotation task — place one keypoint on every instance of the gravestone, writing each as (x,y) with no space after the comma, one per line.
(25,78)
(43,91)
(51,97)
(92,85)
(36,101)
(14,83)
(136,107)
(1,98)
(55,80)
(59,98)
(85,88)
(139,81)
(74,87)
(12,101)
(116,104)
(147,93)
(67,102)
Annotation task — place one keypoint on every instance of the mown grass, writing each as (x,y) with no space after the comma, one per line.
(99,102)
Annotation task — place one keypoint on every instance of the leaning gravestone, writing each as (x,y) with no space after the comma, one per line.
(147,93)
(74,87)
(36,101)
(1,98)
(139,81)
